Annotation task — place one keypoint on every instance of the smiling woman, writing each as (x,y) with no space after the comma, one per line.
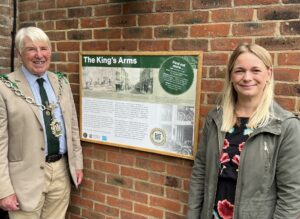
(256,173)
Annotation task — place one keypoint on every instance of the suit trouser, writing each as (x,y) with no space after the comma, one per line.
(56,195)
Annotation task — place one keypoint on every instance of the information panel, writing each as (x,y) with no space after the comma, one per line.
(141,100)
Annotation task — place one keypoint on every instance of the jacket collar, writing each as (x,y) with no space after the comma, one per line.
(273,127)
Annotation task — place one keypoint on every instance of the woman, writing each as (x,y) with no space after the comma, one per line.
(248,163)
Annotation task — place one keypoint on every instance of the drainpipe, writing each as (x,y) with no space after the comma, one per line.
(13,33)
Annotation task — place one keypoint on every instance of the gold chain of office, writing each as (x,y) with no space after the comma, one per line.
(11,85)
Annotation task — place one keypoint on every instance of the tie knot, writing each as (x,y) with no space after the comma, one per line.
(40,81)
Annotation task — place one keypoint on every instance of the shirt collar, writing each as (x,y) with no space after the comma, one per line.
(31,78)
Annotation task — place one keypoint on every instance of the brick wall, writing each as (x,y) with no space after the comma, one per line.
(6,17)
(123,183)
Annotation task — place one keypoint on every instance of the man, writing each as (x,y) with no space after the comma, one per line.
(39,138)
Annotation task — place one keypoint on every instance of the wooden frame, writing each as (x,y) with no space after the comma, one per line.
(147,101)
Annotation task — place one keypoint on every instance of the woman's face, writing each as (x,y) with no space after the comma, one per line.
(249,76)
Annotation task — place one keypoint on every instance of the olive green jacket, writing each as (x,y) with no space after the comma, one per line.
(268,184)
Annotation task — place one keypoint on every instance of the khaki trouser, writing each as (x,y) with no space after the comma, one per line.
(56,195)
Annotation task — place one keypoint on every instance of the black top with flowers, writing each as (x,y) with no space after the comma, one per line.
(230,159)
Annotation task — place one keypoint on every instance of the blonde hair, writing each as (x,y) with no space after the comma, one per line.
(35,34)
(263,112)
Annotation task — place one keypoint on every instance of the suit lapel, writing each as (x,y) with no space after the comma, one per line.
(23,85)
(55,85)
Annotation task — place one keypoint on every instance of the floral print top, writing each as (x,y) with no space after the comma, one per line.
(230,159)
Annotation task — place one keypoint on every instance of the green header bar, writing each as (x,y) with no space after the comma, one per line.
(135,61)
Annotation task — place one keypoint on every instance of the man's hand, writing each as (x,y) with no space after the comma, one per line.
(9,203)
(79,176)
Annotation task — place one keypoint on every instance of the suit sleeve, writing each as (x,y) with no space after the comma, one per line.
(6,187)
(196,193)
(77,150)
(288,172)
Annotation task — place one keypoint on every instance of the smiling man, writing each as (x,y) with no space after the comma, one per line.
(40,151)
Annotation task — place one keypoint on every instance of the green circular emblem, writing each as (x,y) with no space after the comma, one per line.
(176,75)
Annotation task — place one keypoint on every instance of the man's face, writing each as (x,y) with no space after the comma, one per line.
(36,56)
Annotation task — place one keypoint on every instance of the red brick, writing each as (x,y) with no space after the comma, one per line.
(123,45)
(278,13)
(92,195)
(56,36)
(122,21)
(257,2)
(27,5)
(87,162)
(190,44)
(93,2)
(215,58)
(36,16)
(23,16)
(119,203)
(99,154)
(171,32)
(183,172)
(211,4)
(153,19)
(170,215)
(279,43)
(254,29)
(91,214)
(80,12)
(217,72)
(94,175)
(121,159)
(68,3)
(92,22)
(80,202)
(157,178)
(177,195)
(154,45)
(55,14)
(286,74)
(106,167)
(289,58)
(79,34)
(108,210)
(212,85)
(46,4)
(138,7)
(152,212)
(94,46)
(151,165)
(290,28)
(137,33)
(171,5)
(228,44)
(114,33)
(164,203)
(118,180)
(73,57)
(68,46)
(106,189)
(191,17)
(213,98)
(67,24)
(107,10)
(135,173)
(128,215)
(210,30)
(287,103)
(232,15)
(134,196)
(46,25)
(285,89)
(144,187)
